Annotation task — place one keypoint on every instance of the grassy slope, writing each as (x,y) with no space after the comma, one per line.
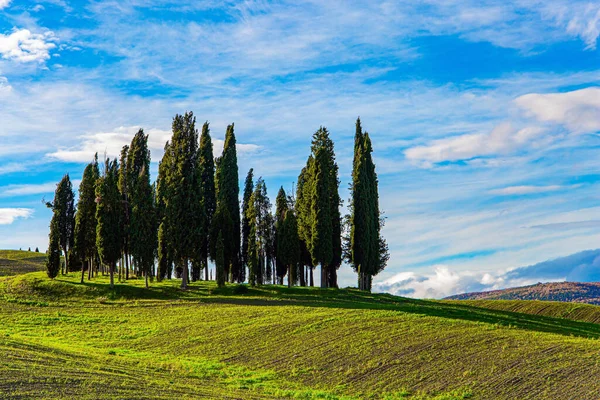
(13,262)
(62,339)
(579,292)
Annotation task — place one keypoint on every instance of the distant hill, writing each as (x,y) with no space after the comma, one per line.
(577,292)
(16,262)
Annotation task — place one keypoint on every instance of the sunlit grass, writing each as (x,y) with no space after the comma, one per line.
(63,339)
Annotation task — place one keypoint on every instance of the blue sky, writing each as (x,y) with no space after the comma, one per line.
(484,115)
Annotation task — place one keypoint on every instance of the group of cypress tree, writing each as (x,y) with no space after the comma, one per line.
(192,214)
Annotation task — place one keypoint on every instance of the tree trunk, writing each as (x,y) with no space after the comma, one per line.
(301,274)
(206,269)
(146,280)
(66,260)
(289,276)
(112,275)
(311,276)
(127,267)
(323,276)
(184,275)
(82,270)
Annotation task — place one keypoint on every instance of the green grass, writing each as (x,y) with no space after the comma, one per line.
(14,262)
(61,339)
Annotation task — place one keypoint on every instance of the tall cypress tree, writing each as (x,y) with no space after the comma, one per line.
(124,189)
(53,260)
(290,247)
(143,228)
(63,207)
(304,216)
(367,250)
(248,189)
(181,203)
(325,243)
(165,259)
(228,190)
(208,200)
(281,207)
(108,216)
(85,218)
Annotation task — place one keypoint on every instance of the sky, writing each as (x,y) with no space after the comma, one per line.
(484,115)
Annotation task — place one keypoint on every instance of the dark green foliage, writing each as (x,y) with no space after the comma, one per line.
(228,191)
(325,220)
(261,221)
(207,195)
(304,216)
(63,207)
(253,265)
(289,247)
(85,218)
(53,261)
(366,249)
(165,258)
(108,216)
(143,230)
(281,207)
(181,201)
(220,260)
(124,189)
(248,189)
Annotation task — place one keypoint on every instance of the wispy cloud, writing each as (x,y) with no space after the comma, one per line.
(4,4)
(31,189)
(526,189)
(9,215)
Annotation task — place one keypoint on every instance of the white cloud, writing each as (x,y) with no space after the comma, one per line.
(443,281)
(526,189)
(9,215)
(578,110)
(111,143)
(24,46)
(4,4)
(30,189)
(501,140)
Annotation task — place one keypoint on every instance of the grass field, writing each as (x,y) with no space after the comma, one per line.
(61,339)
(14,262)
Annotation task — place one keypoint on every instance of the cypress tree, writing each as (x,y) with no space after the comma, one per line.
(208,201)
(85,218)
(263,222)
(367,250)
(228,191)
(220,261)
(281,207)
(253,263)
(124,189)
(325,243)
(290,247)
(108,216)
(248,189)
(63,207)
(304,216)
(181,202)
(143,215)
(165,260)
(53,261)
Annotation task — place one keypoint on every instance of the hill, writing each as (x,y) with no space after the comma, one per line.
(14,262)
(578,292)
(61,339)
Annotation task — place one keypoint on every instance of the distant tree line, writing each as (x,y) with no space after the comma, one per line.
(123,224)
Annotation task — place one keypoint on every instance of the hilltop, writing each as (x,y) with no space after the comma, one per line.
(578,292)
(14,262)
(61,339)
